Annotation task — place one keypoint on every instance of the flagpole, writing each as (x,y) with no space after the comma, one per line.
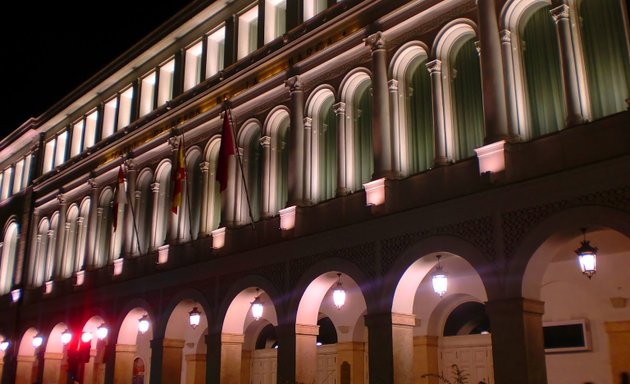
(133,216)
(240,163)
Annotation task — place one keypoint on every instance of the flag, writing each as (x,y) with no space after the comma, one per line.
(121,196)
(179,176)
(227,149)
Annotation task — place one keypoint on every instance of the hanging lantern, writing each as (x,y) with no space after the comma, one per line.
(102,331)
(4,345)
(143,323)
(194,317)
(66,337)
(86,337)
(38,340)
(339,295)
(440,281)
(257,307)
(587,256)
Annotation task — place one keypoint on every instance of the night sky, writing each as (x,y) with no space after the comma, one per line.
(50,48)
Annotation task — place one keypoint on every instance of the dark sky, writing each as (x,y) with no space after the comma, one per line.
(49,48)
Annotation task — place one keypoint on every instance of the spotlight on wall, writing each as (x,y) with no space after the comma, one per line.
(38,340)
(587,256)
(257,306)
(339,295)
(440,281)
(102,331)
(4,345)
(143,323)
(66,337)
(194,317)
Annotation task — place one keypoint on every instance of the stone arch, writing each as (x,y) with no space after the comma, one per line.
(8,257)
(275,144)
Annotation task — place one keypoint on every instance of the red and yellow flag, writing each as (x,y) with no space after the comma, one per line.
(179,177)
(227,149)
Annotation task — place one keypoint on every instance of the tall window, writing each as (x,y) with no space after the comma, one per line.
(147,93)
(18,178)
(247,32)
(144,211)
(77,138)
(7,258)
(419,117)
(104,233)
(192,65)
(606,52)
(313,7)
(7,177)
(89,137)
(165,85)
(275,19)
(215,57)
(41,268)
(55,151)
(362,113)
(124,108)
(541,57)
(467,100)
(327,149)
(109,117)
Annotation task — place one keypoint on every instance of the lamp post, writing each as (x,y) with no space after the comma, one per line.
(257,306)
(587,256)
(440,281)
(339,295)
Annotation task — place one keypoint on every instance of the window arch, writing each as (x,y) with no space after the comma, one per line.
(52,246)
(414,117)
(105,227)
(71,238)
(248,140)
(144,211)
(40,265)
(275,162)
(8,257)
(81,255)
(190,213)
(211,207)
(606,53)
(163,209)
(320,157)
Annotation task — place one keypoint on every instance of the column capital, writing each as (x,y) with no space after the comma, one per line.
(560,12)
(339,108)
(92,183)
(308,123)
(204,166)
(434,66)
(375,41)
(265,141)
(506,36)
(130,165)
(393,85)
(295,84)
(478,46)
(155,187)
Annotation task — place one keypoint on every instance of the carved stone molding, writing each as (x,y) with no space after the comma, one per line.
(375,41)
(294,83)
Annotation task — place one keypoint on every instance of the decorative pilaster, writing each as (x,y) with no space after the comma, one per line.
(130,224)
(206,192)
(397,150)
(92,234)
(307,125)
(510,84)
(155,191)
(61,238)
(381,133)
(342,139)
(296,156)
(439,125)
(268,186)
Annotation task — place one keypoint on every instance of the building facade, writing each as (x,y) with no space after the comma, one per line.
(378,145)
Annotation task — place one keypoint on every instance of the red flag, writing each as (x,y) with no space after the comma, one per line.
(121,196)
(179,176)
(227,149)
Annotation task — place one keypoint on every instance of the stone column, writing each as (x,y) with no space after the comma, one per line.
(171,362)
(205,194)
(307,196)
(494,107)
(286,363)
(517,341)
(442,156)
(381,134)
(24,372)
(213,356)
(61,238)
(268,188)
(195,369)
(296,156)
(568,59)
(342,167)
(231,349)
(129,224)
(306,353)
(350,362)
(510,84)
(36,243)
(172,219)
(155,190)
(402,341)
(381,349)
(52,367)
(92,226)
(619,348)
(123,364)
(425,357)
(397,150)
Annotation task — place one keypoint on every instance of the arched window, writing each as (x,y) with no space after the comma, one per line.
(467,319)
(324,130)
(249,141)
(52,247)
(541,59)
(70,248)
(211,209)
(606,53)
(466,98)
(362,113)
(163,209)
(84,214)
(275,162)
(40,268)
(191,201)
(8,258)
(419,116)
(105,228)
(144,211)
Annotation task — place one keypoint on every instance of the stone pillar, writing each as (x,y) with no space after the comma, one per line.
(61,238)
(381,349)
(213,356)
(231,350)
(442,156)
(36,242)
(306,353)
(286,363)
(98,248)
(206,192)
(342,139)
(52,367)
(24,372)
(296,156)
(129,224)
(425,357)
(517,341)
(155,190)
(493,87)
(166,360)
(510,84)
(268,187)
(307,196)
(619,348)
(381,134)
(89,369)
(123,364)
(402,341)
(246,365)
(195,369)
(351,353)
(397,150)
(172,219)
(568,59)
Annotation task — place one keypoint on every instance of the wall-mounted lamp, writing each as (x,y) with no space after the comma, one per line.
(38,340)
(194,317)
(440,281)
(4,345)
(143,323)
(66,337)
(587,256)
(102,331)
(339,295)
(257,306)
